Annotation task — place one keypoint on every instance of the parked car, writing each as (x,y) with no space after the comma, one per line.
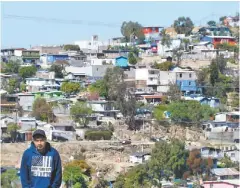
(6,140)
(126,142)
(59,139)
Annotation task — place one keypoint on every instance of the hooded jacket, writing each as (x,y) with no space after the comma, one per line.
(41,170)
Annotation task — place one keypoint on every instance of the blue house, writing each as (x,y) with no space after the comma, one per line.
(122,62)
(51,58)
(187,85)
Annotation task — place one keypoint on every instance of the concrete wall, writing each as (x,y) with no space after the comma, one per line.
(224,136)
(167,77)
(26,101)
(189,75)
(141,74)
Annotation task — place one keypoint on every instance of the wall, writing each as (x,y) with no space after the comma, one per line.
(141,74)
(18,53)
(100,70)
(163,89)
(167,77)
(224,136)
(218,185)
(100,61)
(186,75)
(26,101)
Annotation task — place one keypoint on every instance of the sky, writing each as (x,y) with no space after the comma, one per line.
(24,32)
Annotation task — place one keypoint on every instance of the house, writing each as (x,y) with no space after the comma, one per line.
(212,102)
(227,116)
(5,120)
(139,157)
(28,56)
(26,100)
(221,184)
(8,102)
(96,61)
(185,79)
(233,154)
(231,21)
(45,74)
(27,123)
(46,60)
(41,84)
(147,78)
(152,33)
(105,108)
(215,40)
(225,173)
(165,51)
(8,54)
(121,62)
(48,49)
(59,130)
(89,71)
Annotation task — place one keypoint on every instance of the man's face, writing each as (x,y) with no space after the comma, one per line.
(40,143)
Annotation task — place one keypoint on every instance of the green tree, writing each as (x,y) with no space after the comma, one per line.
(23,86)
(177,54)
(132,29)
(158,112)
(71,47)
(12,67)
(100,87)
(174,92)
(211,23)
(221,63)
(165,66)
(132,59)
(58,70)
(80,111)
(13,85)
(186,42)
(189,111)
(12,130)
(73,176)
(165,39)
(183,25)
(8,177)
(27,71)
(226,162)
(70,87)
(41,110)
(213,73)
(221,19)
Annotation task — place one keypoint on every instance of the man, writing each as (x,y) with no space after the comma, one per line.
(41,164)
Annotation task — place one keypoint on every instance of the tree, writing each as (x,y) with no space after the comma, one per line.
(221,19)
(85,168)
(211,23)
(221,63)
(62,63)
(177,53)
(158,112)
(132,29)
(213,72)
(23,86)
(190,111)
(12,67)
(174,92)
(100,87)
(186,42)
(226,162)
(13,86)
(165,39)
(132,59)
(80,111)
(70,87)
(71,47)
(183,25)
(12,129)
(73,176)
(165,66)
(42,110)
(8,177)
(58,70)
(27,71)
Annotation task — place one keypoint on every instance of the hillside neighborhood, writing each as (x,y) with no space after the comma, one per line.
(155,107)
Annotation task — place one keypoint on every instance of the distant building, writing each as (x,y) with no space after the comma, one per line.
(121,62)
(221,184)
(215,40)
(225,173)
(139,157)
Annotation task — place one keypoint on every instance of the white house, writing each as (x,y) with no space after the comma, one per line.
(145,78)
(36,84)
(26,101)
(92,71)
(165,51)
(139,157)
(96,61)
(233,154)
(4,121)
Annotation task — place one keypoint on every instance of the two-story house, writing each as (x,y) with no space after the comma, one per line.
(41,84)
(146,78)
(28,56)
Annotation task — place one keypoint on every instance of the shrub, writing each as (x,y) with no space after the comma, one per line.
(98,135)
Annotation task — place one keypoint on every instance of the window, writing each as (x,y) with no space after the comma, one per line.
(189,83)
(190,75)
(232,154)
(180,75)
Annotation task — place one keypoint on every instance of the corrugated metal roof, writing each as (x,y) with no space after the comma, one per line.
(225,171)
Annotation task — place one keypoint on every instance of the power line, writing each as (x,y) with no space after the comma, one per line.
(61,21)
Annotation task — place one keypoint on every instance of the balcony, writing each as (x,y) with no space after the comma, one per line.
(152,82)
(31,56)
(213,155)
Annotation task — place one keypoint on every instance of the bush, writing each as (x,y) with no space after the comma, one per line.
(98,135)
